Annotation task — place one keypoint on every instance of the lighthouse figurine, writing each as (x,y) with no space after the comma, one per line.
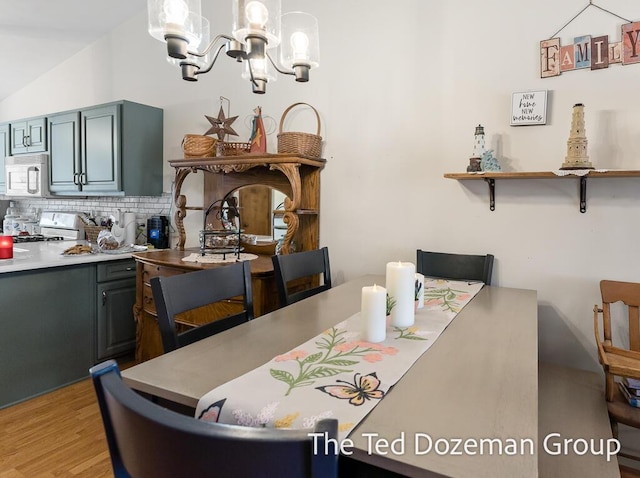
(478,150)
(577,157)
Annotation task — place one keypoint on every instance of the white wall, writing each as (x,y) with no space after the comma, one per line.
(400,90)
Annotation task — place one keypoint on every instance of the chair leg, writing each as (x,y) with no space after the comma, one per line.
(610,387)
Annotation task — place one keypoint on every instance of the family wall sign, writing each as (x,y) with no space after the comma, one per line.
(590,52)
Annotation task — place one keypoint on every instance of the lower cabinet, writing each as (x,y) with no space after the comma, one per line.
(47,333)
(55,323)
(116,295)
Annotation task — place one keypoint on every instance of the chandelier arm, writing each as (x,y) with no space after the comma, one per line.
(278,69)
(211,44)
(208,68)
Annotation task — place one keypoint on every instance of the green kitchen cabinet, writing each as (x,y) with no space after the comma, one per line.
(64,151)
(113,149)
(4,151)
(29,136)
(115,298)
(58,322)
(100,158)
(47,338)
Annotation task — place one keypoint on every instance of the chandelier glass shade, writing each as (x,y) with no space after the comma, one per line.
(258,31)
(257,20)
(300,48)
(198,62)
(178,22)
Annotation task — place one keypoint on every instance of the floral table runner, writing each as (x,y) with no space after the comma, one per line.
(336,374)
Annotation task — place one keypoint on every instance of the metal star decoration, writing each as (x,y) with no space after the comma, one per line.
(221,125)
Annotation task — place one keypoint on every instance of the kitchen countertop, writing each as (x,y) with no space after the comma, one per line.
(41,255)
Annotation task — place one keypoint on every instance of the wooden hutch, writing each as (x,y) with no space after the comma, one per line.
(298,177)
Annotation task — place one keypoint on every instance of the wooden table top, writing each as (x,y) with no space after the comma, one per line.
(173,257)
(478,381)
(571,404)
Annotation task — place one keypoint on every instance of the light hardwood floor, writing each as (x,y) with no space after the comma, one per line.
(59,434)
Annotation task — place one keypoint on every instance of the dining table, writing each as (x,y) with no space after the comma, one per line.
(468,406)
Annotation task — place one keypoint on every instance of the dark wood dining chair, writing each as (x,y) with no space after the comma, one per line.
(177,294)
(443,265)
(146,440)
(619,360)
(294,272)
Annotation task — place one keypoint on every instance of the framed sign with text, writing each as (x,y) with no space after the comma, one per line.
(529,108)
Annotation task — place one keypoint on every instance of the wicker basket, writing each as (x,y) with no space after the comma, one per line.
(306,144)
(235,149)
(198,146)
(92,232)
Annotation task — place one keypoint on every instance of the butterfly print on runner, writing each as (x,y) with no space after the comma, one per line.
(364,387)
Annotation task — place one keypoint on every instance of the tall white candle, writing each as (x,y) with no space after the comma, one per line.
(419,288)
(373,313)
(401,288)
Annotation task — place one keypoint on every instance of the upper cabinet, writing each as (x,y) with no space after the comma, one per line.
(64,146)
(4,151)
(29,136)
(101,156)
(113,149)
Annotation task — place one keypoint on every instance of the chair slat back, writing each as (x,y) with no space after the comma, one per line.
(455,266)
(147,440)
(174,295)
(629,294)
(299,265)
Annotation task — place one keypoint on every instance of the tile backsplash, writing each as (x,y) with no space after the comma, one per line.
(143,206)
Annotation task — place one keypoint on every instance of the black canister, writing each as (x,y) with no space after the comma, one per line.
(158,232)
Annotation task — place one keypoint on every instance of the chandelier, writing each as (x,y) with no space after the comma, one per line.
(258,30)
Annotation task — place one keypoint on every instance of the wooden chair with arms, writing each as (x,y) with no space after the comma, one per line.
(147,440)
(177,294)
(299,265)
(619,361)
(444,265)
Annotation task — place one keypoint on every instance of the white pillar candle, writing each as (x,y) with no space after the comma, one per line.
(401,288)
(419,290)
(373,312)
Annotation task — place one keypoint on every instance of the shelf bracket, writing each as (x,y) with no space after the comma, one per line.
(583,194)
(492,193)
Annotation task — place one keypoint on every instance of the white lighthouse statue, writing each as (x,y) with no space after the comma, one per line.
(478,150)
(478,142)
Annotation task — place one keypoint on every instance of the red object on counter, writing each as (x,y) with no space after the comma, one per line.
(6,247)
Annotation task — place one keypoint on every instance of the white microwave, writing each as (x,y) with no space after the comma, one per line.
(27,175)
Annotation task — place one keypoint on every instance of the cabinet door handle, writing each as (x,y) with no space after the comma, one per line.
(83,178)
(104,297)
(75,178)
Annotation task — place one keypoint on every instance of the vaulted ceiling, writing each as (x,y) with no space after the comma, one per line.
(37,35)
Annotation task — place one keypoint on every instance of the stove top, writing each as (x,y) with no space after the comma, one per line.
(35,238)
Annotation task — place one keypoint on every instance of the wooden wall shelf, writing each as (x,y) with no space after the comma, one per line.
(490,178)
